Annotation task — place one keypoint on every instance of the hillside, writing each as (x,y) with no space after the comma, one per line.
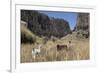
(48,51)
(43,25)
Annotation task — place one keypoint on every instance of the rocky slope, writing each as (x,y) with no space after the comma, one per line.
(82,26)
(42,25)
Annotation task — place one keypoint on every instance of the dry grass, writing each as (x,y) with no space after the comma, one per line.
(78,51)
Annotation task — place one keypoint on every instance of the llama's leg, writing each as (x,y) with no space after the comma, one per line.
(34,57)
(56,54)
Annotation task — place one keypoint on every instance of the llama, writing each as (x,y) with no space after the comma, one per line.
(61,47)
(36,51)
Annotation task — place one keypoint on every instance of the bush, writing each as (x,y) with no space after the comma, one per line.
(53,38)
(82,34)
(45,39)
(27,36)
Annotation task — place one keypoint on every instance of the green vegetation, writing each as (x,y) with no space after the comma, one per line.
(27,36)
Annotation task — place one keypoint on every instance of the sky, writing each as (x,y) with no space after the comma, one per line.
(71,17)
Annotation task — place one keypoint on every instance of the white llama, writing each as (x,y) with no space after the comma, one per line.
(36,51)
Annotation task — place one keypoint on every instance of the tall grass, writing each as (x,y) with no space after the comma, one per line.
(78,51)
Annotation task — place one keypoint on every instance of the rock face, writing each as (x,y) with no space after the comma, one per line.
(83,21)
(43,25)
(83,24)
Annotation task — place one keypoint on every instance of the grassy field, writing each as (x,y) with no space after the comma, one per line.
(78,51)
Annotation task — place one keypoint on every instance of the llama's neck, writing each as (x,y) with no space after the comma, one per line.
(39,46)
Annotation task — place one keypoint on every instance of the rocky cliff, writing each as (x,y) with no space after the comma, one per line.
(43,25)
(83,21)
(83,24)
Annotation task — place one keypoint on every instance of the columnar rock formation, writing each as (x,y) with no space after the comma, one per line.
(83,23)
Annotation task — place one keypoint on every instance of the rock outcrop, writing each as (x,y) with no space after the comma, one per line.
(43,25)
(83,24)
